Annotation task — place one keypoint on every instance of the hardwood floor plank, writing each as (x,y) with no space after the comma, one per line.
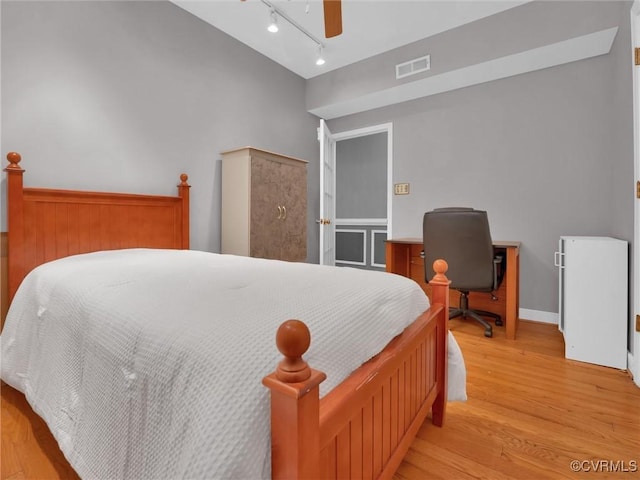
(501,448)
(542,429)
(526,447)
(419,464)
(17,476)
(9,460)
(28,448)
(10,464)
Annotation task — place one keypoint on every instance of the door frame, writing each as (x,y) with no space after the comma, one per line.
(372,130)
(633,363)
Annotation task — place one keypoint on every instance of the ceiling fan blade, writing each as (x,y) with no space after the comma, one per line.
(332,18)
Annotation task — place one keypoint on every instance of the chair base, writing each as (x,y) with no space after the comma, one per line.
(464,312)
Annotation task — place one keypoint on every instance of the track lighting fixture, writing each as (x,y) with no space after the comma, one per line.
(273,26)
(320,59)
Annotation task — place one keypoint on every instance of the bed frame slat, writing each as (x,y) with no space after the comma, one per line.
(343,454)
(355,427)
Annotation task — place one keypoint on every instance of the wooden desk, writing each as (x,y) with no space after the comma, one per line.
(403,258)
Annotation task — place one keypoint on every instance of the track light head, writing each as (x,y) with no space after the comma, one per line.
(320,59)
(273,26)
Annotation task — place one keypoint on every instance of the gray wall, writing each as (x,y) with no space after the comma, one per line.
(124,96)
(547,153)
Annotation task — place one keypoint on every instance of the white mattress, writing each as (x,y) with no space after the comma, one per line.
(147,364)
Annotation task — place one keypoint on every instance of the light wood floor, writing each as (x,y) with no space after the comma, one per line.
(530,413)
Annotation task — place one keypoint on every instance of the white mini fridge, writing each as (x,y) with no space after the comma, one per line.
(594,299)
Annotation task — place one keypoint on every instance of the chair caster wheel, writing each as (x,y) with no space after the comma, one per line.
(488,333)
(499,323)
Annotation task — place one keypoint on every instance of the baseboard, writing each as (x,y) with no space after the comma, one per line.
(632,368)
(538,316)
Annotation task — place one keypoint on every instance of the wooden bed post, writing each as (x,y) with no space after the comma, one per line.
(15,223)
(295,407)
(183,192)
(440,294)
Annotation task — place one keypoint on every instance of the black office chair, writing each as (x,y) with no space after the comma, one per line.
(461,236)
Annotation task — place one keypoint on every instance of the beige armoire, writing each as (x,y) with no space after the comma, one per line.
(264,204)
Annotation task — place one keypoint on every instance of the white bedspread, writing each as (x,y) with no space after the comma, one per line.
(147,364)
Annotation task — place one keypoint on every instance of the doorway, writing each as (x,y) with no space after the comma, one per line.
(361,218)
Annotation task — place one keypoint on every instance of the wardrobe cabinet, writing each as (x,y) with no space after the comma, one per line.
(264,205)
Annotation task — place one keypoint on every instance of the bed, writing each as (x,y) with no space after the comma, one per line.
(130,383)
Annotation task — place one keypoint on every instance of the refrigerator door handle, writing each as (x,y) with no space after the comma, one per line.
(558,258)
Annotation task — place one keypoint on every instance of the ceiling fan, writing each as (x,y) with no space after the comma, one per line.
(332,18)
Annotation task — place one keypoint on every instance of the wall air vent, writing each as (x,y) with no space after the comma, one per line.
(414,66)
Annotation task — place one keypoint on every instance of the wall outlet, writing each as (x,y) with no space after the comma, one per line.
(401,189)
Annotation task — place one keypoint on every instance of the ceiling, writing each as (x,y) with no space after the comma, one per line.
(370,27)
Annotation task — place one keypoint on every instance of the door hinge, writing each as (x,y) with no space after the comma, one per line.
(638,189)
(637,323)
(636,55)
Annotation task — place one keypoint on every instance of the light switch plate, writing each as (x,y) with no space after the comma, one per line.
(401,189)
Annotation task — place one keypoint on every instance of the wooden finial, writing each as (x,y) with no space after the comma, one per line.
(183,180)
(14,159)
(440,267)
(293,340)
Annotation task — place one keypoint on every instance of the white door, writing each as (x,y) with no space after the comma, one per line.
(327,194)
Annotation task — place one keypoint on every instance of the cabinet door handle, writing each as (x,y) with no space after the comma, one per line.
(279,212)
(284,210)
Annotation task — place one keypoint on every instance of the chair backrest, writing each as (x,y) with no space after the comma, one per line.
(461,236)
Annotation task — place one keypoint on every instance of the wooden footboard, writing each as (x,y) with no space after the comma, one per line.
(364,427)
(47,224)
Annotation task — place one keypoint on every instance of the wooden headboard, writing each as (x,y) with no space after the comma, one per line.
(45,224)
